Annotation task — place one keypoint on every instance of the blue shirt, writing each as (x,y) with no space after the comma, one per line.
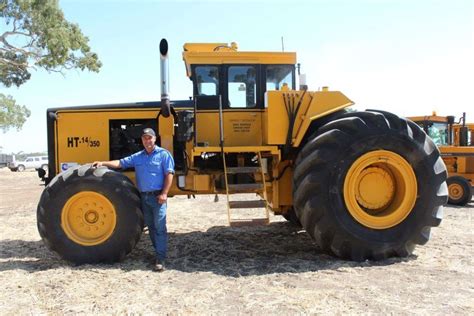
(150,169)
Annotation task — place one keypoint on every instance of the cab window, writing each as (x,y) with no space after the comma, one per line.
(277,75)
(242,86)
(207,80)
(438,133)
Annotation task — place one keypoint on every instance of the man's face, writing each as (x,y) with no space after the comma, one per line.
(148,142)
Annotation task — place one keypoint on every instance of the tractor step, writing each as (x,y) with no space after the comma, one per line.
(249,222)
(235,170)
(235,188)
(247,204)
(260,187)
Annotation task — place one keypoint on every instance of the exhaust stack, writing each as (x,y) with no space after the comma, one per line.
(164,76)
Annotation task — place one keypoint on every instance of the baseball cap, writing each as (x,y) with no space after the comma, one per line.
(148,131)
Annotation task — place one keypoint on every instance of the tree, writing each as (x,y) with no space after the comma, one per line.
(12,114)
(38,36)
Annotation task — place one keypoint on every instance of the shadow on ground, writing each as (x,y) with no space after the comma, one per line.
(277,248)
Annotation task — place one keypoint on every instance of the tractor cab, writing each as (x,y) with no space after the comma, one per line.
(439,128)
(445,131)
(230,86)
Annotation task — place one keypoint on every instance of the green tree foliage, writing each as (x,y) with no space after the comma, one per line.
(12,114)
(36,35)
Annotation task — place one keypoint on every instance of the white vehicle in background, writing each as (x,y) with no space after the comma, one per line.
(38,162)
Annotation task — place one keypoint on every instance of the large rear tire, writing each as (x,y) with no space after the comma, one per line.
(369,185)
(291,217)
(90,215)
(460,192)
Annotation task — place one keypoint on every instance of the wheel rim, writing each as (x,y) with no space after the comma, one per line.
(88,218)
(456,191)
(380,189)
(21,168)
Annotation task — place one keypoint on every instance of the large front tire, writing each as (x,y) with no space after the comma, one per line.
(90,215)
(369,185)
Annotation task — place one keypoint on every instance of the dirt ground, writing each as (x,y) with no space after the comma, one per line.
(214,269)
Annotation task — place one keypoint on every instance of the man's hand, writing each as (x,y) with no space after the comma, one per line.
(97,164)
(166,186)
(109,164)
(162,198)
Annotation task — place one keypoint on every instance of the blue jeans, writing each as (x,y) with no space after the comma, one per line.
(155,218)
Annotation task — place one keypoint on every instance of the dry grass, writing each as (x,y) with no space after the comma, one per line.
(216,269)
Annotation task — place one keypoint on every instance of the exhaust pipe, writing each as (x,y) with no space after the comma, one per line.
(164,75)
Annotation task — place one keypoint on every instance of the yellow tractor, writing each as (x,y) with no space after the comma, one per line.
(456,143)
(364,185)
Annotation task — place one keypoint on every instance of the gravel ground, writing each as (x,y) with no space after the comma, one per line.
(216,269)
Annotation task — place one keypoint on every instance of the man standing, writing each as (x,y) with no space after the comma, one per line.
(154,169)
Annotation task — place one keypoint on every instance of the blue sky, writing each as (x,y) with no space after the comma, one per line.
(407,57)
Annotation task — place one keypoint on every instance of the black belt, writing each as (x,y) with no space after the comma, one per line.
(155,193)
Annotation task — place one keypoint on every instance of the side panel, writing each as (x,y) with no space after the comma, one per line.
(314,105)
(241,128)
(459,161)
(83,137)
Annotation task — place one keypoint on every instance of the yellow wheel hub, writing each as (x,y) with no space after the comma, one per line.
(380,189)
(88,218)
(367,196)
(455,191)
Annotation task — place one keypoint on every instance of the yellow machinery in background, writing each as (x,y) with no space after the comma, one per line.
(456,143)
(364,185)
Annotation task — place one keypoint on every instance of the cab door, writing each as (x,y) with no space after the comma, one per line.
(237,88)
